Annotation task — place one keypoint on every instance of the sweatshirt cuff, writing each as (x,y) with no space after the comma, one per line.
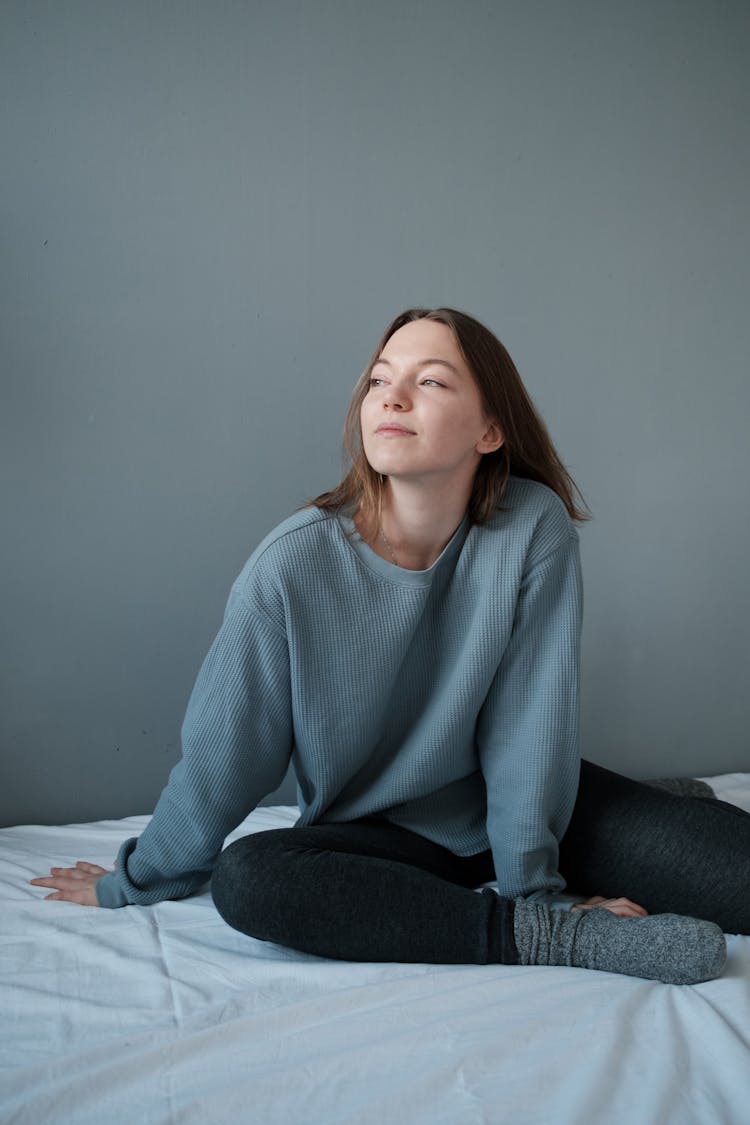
(109,893)
(112,889)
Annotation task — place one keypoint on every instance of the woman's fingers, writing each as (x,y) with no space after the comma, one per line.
(91,868)
(85,897)
(590,903)
(80,871)
(622,907)
(73,884)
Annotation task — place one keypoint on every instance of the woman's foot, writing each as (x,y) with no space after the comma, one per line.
(666,947)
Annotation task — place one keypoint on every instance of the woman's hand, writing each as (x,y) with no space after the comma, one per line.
(73,884)
(623,907)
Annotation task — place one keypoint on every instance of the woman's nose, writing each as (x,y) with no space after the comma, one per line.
(395,399)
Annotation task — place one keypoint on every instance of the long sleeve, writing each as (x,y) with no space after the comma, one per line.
(236,745)
(528,738)
(445,700)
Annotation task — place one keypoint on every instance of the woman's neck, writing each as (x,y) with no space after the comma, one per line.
(416,523)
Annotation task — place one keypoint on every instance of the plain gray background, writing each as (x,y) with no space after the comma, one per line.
(209,213)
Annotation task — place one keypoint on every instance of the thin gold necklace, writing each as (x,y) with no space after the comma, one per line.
(387,542)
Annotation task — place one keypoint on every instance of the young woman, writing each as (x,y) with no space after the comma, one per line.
(410,642)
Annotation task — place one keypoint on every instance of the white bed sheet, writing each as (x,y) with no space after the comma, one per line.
(159,1015)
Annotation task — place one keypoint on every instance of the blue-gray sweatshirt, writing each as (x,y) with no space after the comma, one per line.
(444,699)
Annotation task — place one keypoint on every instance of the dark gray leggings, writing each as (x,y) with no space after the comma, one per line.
(371,891)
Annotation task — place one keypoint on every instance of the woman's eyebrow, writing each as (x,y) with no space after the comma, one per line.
(425,363)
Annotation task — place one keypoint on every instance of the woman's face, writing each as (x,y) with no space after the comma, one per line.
(423,416)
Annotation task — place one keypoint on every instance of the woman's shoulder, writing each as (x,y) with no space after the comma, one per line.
(533,516)
(302,527)
(530,500)
(293,540)
(286,551)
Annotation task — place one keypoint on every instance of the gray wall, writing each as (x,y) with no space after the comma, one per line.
(210,211)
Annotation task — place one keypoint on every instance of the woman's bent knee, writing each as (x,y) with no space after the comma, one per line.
(245,883)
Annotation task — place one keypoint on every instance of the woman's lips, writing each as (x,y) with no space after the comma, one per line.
(390,429)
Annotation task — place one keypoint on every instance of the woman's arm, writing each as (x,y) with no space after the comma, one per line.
(528,731)
(237,740)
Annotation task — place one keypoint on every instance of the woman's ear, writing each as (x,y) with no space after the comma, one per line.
(491,439)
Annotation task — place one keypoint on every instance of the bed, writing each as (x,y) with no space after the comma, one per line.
(163,1014)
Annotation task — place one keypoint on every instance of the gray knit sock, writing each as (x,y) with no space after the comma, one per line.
(666,947)
(683,786)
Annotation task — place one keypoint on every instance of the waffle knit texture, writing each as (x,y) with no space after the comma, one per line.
(445,700)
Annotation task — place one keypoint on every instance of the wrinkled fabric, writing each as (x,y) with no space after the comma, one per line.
(164,1014)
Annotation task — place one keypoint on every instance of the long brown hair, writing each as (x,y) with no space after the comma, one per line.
(527,450)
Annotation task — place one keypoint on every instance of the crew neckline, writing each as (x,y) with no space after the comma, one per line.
(399,575)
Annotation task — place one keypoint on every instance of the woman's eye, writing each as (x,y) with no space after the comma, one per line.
(432,383)
(375,381)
